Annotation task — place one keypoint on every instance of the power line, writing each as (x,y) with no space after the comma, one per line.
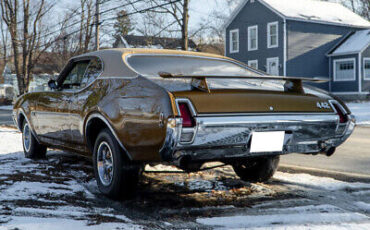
(92,24)
(76,22)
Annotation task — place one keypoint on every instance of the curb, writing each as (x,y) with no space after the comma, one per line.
(344,176)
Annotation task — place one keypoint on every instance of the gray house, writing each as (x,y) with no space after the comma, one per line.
(307,38)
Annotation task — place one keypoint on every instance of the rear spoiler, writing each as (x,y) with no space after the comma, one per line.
(292,84)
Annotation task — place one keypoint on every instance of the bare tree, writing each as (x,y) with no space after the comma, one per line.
(209,34)
(178,12)
(25,35)
(86,21)
(364,8)
(4,42)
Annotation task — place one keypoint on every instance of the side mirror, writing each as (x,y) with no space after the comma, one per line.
(52,84)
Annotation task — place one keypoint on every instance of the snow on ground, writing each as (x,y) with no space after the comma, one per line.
(60,193)
(362,112)
(33,196)
(324,183)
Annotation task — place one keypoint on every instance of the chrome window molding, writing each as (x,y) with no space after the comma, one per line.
(88,85)
(127,56)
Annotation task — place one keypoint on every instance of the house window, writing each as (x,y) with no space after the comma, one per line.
(234,41)
(366,68)
(345,70)
(272,35)
(252,38)
(253,64)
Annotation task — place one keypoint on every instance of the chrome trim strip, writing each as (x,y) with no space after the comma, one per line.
(187,101)
(332,102)
(173,133)
(238,120)
(101,117)
(260,114)
(193,113)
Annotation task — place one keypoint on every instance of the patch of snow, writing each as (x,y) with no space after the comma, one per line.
(203,185)
(313,10)
(309,208)
(10,141)
(361,193)
(364,206)
(33,223)
(160,167)
(357,42)
(361,111)
(319,182)
(62,216)
(275,220)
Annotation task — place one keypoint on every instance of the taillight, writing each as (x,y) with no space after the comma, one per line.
(187,118)
(342,117)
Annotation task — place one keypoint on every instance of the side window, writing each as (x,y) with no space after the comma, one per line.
(93,71)
(74,78)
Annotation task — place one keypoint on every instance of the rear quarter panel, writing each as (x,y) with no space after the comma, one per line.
(134,108)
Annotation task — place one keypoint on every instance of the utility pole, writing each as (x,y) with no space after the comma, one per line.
(185,22)
(97,24)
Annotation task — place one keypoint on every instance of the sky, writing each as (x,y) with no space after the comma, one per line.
(199,9)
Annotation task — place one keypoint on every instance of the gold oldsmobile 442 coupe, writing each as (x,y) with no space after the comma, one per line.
(125,108)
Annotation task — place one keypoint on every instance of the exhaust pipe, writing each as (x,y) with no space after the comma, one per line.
(328,152)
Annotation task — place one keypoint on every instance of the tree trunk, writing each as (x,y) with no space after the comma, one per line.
(184,26)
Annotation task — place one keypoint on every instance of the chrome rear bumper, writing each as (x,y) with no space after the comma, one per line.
(228,137)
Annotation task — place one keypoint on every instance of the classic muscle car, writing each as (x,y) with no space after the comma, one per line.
(125,108)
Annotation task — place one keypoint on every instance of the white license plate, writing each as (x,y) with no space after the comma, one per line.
(267,142)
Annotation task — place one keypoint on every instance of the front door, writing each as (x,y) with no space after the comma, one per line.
(52,117)
(53,108)
(273,66)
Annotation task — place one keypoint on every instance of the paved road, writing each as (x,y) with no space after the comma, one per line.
(353,156)
(6,117)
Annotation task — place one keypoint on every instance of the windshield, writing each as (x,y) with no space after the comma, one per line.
(150,65)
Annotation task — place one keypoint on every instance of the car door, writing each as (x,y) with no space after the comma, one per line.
(53,108)
(79,105)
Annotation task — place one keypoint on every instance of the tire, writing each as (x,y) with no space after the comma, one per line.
(31,147)
(259,170)
(116,176)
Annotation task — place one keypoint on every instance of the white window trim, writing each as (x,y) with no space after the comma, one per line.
(341,60)
(269,32)
(253,61)
(272,59)
(363,68)
(231,41)
(249,43)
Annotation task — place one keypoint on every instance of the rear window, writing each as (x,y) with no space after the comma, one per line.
(149,65)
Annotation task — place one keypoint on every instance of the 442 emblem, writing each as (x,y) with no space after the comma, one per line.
(323,105)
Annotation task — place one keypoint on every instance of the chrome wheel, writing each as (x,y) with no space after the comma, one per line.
(26,137)
(105,163)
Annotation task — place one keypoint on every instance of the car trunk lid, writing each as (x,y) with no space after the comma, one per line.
(253,101)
